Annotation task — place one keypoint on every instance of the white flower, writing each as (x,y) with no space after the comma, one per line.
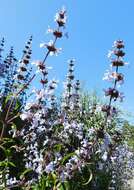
(42,45)
(117,42)
(51,48)
(74,159)
(108,75)
(113,159)
(104,157)
(58,50)
(107,139)
(49,30)
(61,20)
(126,63)
(26,115)
(91,131)
(71,60)
(101,165)
(98,108)
(77,152)
(39,94)
(36,62)
(50,167)
(84,143)
(28,105)
(50,43)
(110,53)
(11,181)
(35,122)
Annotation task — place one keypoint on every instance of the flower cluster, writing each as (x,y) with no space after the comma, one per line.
(114,76)
(24,62)
(71,95)
(71,143)
(122,163)
(114,154)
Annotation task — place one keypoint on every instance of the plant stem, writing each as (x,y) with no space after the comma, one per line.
(12,101)
(2,132)
(110,100)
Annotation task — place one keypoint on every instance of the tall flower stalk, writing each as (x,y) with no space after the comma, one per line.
(60,20)
(114,76)
(70,144)
(40,114)
(71,95)
(114,151)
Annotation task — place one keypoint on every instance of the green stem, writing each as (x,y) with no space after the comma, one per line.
(2,132)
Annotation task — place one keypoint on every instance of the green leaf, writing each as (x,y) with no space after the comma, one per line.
(3,163)
(11,164)
(68,156)
(54,176)
(8,98)
(14,126)
(17,105)
(6,164)
(90,178)
(7,140)
(58,147)
(25,172)
(63,186)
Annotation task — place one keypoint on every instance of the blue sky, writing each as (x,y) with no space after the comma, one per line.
(92,25)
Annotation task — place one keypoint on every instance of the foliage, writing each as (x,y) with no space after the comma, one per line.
(75,143)
(128,133)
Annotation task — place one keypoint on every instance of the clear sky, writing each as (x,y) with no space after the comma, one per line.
(92,25)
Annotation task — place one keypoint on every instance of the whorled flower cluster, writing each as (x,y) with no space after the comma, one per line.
(64,139)
(117,162)
(114,76)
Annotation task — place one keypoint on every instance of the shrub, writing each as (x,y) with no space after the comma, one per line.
(74,143)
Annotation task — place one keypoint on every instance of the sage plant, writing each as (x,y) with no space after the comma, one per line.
(114,76)
(116,150)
